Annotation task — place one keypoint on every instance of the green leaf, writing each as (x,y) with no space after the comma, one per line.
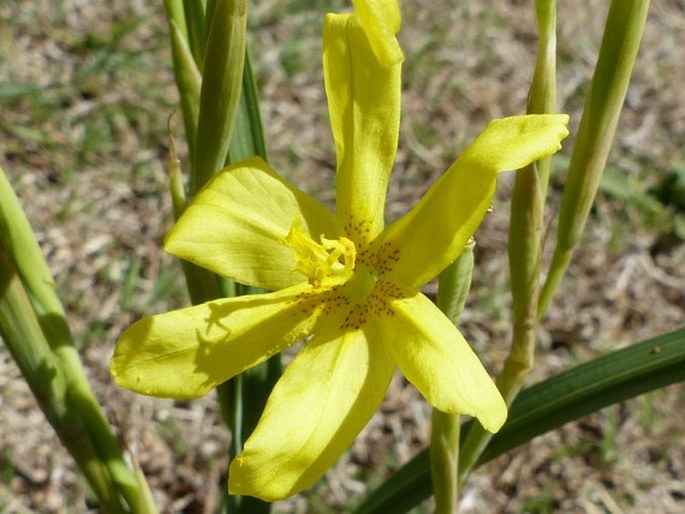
(248,134)
(34,327)
(586,388)
(603,103)
(188,82)
(221,87)
(195,19)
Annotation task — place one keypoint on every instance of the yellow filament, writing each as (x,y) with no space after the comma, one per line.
(317,261)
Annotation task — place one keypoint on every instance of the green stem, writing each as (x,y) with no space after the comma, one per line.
(23,252)
(229,129)
(444,460)
(23,336)
(453,288)
(525,237)
(620,43)
(221,87)
(202,285)
(194,12)
(245,396)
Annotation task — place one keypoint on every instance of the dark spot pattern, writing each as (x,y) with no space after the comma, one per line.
(387,257)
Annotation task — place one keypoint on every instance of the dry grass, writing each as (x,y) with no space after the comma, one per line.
(86,89)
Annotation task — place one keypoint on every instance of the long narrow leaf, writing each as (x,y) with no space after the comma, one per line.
(248,134)
(547,405)
(18,241)
(195,26)
(221,86)
(603,103)
(188,82)
(24,338)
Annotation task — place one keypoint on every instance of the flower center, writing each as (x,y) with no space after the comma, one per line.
(317,261)
(361,285)
(357,289)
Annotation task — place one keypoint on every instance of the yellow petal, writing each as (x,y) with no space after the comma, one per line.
(237,225)
(364,107)
(185,353)
(434,232)
(514,142)
(381,21)
(322,401)
(436,358)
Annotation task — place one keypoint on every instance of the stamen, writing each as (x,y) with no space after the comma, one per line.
(316,261)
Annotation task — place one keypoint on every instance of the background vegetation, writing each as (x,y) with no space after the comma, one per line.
(85,93)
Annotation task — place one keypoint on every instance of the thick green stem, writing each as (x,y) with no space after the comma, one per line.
(202,285)
(229,129)
(620,43)
(22,251)
(194,12)
(244,397)
(221,88)
(444,460)
(23,336)
(453,288)
(525,237)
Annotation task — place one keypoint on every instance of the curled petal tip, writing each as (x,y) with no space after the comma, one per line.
(381,21)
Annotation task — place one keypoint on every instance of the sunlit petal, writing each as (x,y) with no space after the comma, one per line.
(237,224)
(434,232)
(185,353)
(326,396)
(436,358)
(512,143)
(381,21)
(364,106)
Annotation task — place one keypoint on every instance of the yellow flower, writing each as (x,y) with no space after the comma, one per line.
(344,279)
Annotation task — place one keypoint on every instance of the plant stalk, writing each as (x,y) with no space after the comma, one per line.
(229,129)
(221,88)
(24,259)
(453,288)
(620,43)
(23,336)
(525,236)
